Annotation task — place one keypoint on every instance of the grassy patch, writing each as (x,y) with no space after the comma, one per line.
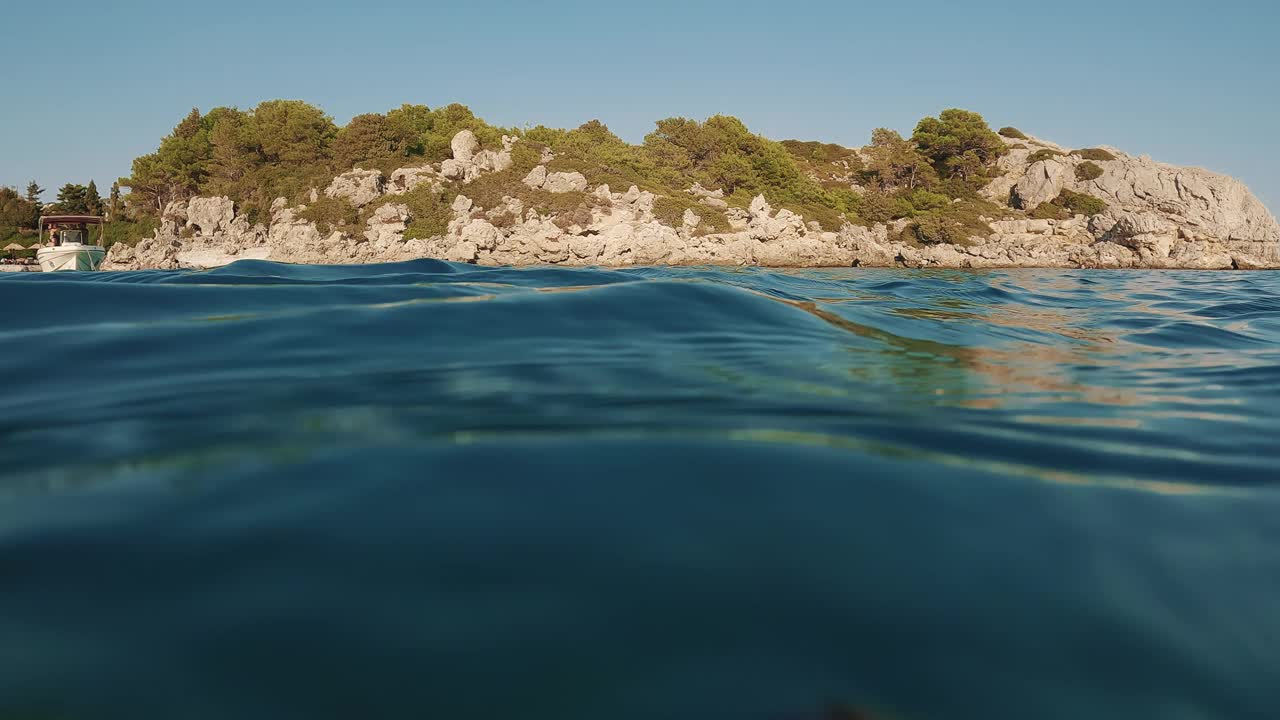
(1094,154)
(1012,132)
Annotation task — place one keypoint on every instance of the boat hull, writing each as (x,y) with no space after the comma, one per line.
(66,258)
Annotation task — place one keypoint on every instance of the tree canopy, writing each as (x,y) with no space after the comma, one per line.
(959,143)
(286,147)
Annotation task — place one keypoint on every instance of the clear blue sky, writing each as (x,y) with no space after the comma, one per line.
(1188,83)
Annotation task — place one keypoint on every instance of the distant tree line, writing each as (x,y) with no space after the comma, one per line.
(282,148)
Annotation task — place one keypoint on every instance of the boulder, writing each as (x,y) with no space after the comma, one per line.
(387,224)
(482,234)
(537,177)
(1043,182)
(173,218)
(358,187)
(1150,234)
(690,222)
(464,146)
(404,180)
(208,215)
(563,182)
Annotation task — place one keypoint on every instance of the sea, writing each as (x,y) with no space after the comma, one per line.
(430,490)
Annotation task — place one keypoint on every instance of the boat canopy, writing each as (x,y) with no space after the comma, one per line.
(71,219)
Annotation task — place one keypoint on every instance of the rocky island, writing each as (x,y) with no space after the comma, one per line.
(282,183)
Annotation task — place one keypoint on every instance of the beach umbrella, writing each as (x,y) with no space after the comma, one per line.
(14,246)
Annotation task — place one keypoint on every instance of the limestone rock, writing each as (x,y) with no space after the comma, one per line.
(464,145)
(691,220)
(173,217)
(387,224)
(537,177)
(469,162)
(482,234)
(208,215)
(407,179)
(1149,234)
(563,182)
(1043,182)
(358,187)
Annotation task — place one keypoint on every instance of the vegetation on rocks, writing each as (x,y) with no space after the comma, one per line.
(1070,203)
(1087,171)
(958,223)
(1044,154)
(331,214)
(960,145)
(1094,154)
(1013,132)
(287,148)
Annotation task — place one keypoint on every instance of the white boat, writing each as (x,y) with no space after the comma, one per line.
(70,249)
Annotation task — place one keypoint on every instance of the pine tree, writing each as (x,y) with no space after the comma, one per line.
(34,191)
(115,205)
(71,199)
(92,200)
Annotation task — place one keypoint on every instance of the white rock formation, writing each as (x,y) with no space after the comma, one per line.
(208,215)
(1158,216)
(1042,183)
(358,187)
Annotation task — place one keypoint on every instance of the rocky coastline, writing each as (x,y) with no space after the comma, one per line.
(1157,216)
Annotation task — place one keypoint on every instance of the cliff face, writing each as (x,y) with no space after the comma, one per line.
(1156,216)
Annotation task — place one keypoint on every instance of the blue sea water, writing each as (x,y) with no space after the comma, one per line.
(426,490)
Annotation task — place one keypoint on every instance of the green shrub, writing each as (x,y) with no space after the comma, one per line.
(955,224)
(833,166)
(1094,154)
(877,207)
(923,201)
(127,232)
(1081,204)
(431,210)
(1013,132)
(1049,211)
(1043,154)
(1067,204)
(1087,171)
(670,211)
(331,214)
(526,155)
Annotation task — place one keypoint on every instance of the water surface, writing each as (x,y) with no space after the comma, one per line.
(433,490)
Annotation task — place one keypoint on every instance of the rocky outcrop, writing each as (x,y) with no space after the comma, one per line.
(358,187)
(1158,216)
(1202,205)
(470,162)
(405,180)
(1042,183)
(557,182)
(208,215)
